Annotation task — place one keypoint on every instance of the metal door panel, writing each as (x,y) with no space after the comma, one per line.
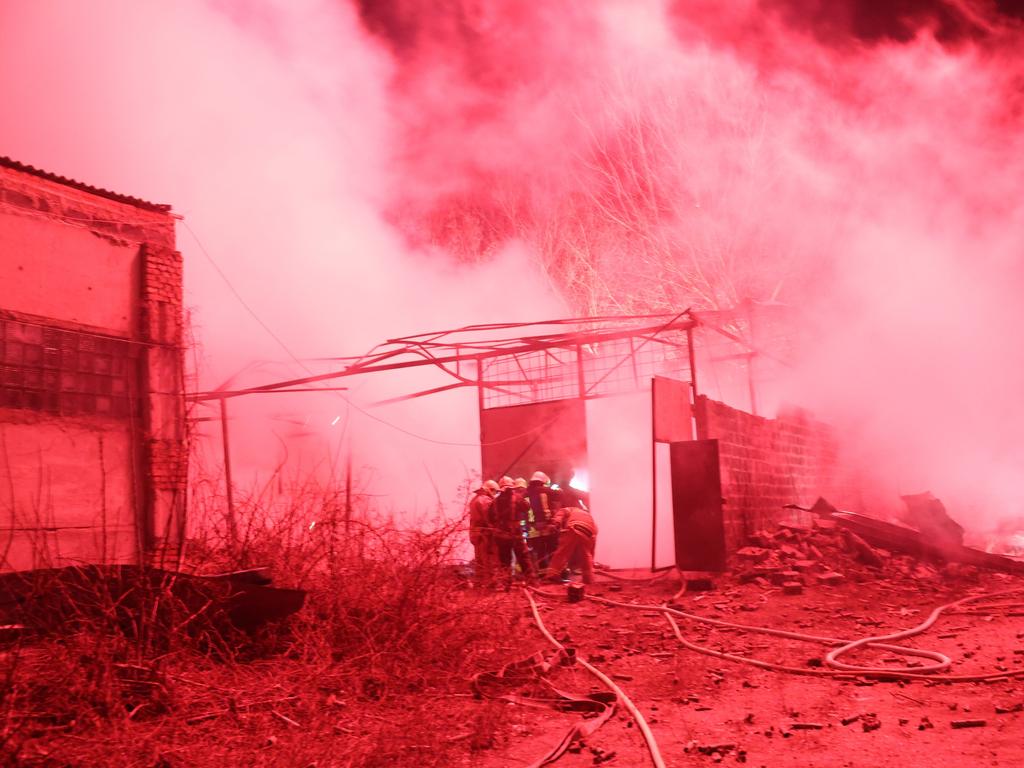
(697,506)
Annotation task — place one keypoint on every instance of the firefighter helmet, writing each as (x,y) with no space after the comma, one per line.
(538,475)
(519,482)
(505,482)
(491,486)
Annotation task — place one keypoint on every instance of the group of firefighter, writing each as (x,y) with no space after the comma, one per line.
(534,528)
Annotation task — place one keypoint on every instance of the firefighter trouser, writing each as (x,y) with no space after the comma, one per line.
(510,545)
(543,547)
(575,540)
(484,555)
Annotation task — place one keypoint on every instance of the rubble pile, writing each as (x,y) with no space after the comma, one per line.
(824,553)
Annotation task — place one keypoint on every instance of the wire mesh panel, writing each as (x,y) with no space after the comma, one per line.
(629,364)
(530,377)
(626,363)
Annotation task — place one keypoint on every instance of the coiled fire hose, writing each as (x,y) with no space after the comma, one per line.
(652,745)
(838,668)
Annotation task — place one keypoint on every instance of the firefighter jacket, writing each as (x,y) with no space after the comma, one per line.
(574,518)
(510,513)
(539,496)
(480,507)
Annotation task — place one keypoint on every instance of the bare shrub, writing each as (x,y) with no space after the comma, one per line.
(373,671)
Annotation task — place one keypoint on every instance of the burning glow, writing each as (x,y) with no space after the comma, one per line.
(580,480)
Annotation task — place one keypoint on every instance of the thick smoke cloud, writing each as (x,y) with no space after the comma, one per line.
(364,170)
(269,128)
(855,162)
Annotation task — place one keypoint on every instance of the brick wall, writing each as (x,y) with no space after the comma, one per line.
(92,262)
(767,463)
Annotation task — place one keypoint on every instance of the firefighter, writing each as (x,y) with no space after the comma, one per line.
(543,535)
(510,515)
(577,535)
(481,531)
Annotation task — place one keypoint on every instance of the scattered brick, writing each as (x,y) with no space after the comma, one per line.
(752,554)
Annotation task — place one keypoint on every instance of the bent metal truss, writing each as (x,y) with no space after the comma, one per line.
(531,362)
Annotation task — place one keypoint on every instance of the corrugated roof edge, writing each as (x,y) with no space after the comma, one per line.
(7,162)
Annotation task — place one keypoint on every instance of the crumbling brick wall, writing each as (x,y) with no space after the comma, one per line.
(767,463)
(90,277)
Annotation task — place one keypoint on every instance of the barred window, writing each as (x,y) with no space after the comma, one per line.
(65,372)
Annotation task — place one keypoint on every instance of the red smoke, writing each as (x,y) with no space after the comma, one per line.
(856,161)
(366,170)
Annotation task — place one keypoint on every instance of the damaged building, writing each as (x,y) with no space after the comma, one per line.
(93,451)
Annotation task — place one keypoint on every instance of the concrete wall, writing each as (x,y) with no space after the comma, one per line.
(767,463)
(56,271)
(92,435)
(71,488)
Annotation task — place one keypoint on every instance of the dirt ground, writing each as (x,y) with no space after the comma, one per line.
(313,698)
(705,710)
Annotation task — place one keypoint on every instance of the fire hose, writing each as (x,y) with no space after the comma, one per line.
(597,708)
(652,745)
(634,579)
(838,668)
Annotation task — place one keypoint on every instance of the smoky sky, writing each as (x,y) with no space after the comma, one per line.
(857,161)
(866,21)
(364,170)
(408,25)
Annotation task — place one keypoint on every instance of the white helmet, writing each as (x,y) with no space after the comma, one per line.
(538,475)
(505,482)
(490,485)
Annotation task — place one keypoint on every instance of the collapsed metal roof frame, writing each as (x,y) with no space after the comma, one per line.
(465,354)
(471,346)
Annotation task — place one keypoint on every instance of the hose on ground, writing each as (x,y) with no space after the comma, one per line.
(838,668)
(832,659)
(634,579)
(652,745)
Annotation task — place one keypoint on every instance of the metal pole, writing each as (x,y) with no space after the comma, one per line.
(348,490)
(480,411)
(750,384)
(693,362)
(654,480)
(232,527)
(581,384)
(632,359)
(750,360)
